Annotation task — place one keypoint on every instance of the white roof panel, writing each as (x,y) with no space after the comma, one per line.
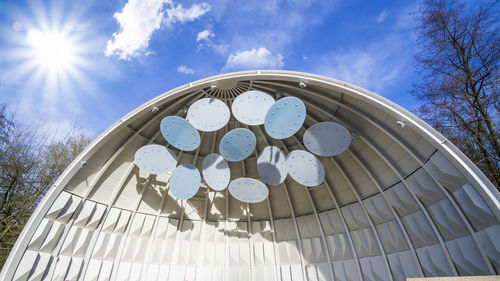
(327,138)
(248,190)
(208,114)
(251,107)
(216,171)
(155,159)
(305,168)
(271,165)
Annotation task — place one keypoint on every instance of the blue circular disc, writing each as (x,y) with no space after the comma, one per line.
(185,181)
(285,117)
(237,144)
(180,133)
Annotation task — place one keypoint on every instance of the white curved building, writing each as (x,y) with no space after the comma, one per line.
(400,202)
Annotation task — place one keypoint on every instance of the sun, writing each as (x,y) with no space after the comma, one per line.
(54,62)
(53,51)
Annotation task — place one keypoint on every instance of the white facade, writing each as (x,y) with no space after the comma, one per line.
(401,201)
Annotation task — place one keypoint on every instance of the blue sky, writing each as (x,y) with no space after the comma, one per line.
(115,55)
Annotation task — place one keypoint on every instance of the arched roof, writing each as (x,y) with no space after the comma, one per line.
(401,201)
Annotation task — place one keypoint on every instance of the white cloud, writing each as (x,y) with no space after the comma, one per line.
(219,48)
(184,69)
(203,38)
(178,13)
(260,58)
(251,24)
(382,16)
(140,18)
(204,35)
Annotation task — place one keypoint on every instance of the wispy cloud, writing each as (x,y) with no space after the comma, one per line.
(375,66)
(382,16)
(260,58)
(178,13)
(405,19)
(184,69)
(205,35)
(140,18)
(253,24)
(204,39)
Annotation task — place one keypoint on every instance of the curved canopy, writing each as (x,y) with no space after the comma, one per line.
(398,201)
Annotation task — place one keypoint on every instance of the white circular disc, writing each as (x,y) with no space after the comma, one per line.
(327,138)
(216,171)
(271,165)
(285,117)
(155,159)
(251,107)
(305,168)
(248,190)
(185,181)
(208,114)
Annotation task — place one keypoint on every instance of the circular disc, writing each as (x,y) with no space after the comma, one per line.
(248,190)
(155,159)
(216,171)
(285,117)
(185,181)
(208,114)
(251,107)
(327,139)
(305,168)
(180,133)
(237,144)
(271,165)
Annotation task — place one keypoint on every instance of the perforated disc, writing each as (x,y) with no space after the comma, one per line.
(327,138)
(208,114)
(185,181)
(285,117)
(155,159)
(180,133)
(305,168)
(271,165)
(216,171)
(251,107)
(237,144)
(248,190)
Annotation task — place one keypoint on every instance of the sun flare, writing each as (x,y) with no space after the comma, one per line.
(52,51)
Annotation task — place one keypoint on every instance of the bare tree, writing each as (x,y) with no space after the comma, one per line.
(29,165)
(4,121)
(459,56)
